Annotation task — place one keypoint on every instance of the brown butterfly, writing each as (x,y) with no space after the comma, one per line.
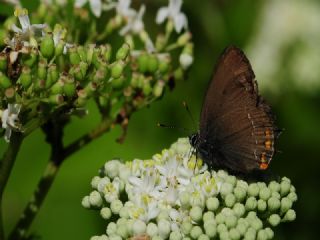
(237,129)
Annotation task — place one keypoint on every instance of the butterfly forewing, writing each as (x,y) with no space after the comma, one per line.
(237,130)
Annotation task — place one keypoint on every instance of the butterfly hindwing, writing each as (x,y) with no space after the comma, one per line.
(237,129)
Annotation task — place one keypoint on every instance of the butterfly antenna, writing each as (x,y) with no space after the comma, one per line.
(182,129)
(189,113)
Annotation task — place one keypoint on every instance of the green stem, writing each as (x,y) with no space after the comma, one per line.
(7,163)
(57,157)
(35,202)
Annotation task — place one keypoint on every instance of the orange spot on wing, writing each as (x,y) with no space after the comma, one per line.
(263,166)
(268,144)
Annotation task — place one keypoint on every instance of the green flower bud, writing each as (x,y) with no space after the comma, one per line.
(105,213)
(196,213)
(262,235)
(57,88)
(95,199)
(208,216)
(42,69)
(82,53)
(226,188)
(220,218)
(59,48)
(276,195)
(230,200)
(184,38)
(122,231)
(164,228)
(269,232)
(234,234)
(152,229)
(47,46)
(184,198)
(273,204)
(3,35)
(74,56)
(116,206)
(242,228)
(210,230)
(293,196)
(139,227)
(262,205)
(175,235)
(253,190)
(250,234)
(265,193)
(251,204)
(3,62)
(53,72)
(123,52)
(69,89)
(231,221)
(178,74)
(239,209)
(240,193)
(163,215)
(222,228)
(85,202)
(107,53)
(274,186)
(31,58)
(158,88)
(212,203)
(153,63)
(284,188)
(186,227)
(195,232)
(56,99)
(286,204)
(117,69)
(290,215)
(111,229)
(147,89)
(274,220)
(164,66)
(224,236)
(256,224)
(143,60)
(118,83)
(25,78)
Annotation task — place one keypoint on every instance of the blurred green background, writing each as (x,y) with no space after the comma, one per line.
(281,39)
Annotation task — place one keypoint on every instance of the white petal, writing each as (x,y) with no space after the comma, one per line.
(4,118)
(162,14)
(96,7)
(180,21)
(16,29)
(80,3)
(174,7)
(24,22)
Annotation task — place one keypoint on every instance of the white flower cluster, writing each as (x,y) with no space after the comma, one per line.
(174,196)
(285,46)
(133,17)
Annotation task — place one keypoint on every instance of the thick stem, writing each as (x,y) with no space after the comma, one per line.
(7,163)
(35,202)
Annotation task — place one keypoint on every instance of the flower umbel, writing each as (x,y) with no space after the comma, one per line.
(174,196)
(10,120)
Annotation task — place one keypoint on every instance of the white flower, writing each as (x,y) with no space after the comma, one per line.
(95,6)
(134,22)
(10,119)
(185,60)
(27,30)
(122,7)
(172,12)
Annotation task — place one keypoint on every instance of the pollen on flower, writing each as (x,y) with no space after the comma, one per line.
(161,193)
